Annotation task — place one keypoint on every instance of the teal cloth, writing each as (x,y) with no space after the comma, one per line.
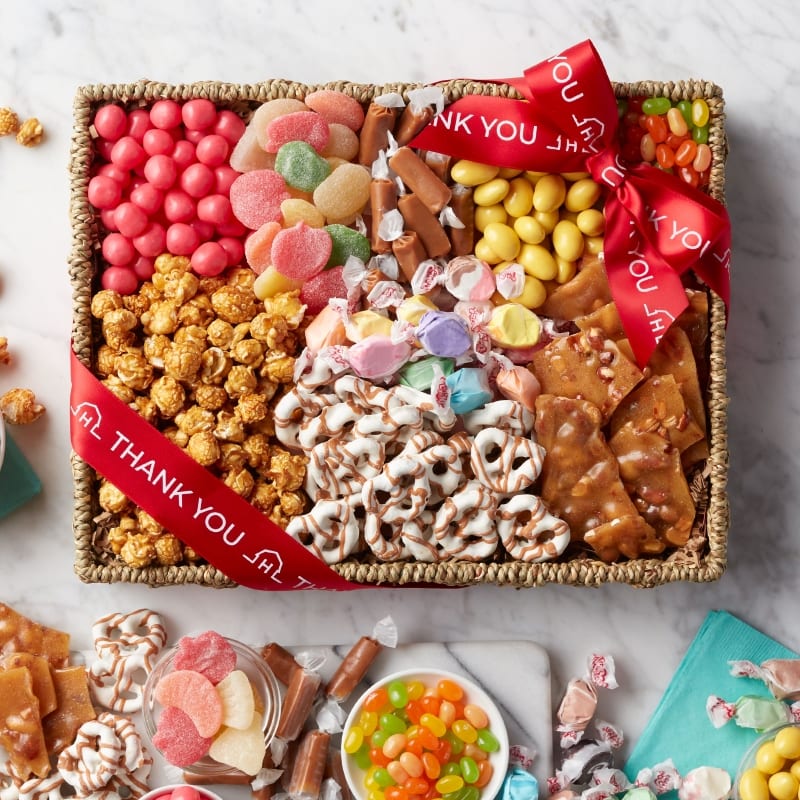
(680,728)
(18,481)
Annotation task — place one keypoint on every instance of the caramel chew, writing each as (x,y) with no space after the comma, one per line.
(463,239)
(309,766)
(382,199)
(412,121)
(280,661)
(353,668)
(421,179)
(374,137)
(420,220)
(409,252)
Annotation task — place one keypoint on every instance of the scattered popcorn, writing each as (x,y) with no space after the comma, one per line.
(19,407)
(30,133)
(9,121)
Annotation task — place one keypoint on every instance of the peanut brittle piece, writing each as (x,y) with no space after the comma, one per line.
(587,291)
(18,634)
(20,725)
(606,318)
(43,686)
(657,405)
(650,468)
(586,366)
(73,709)
(695,322)
(581,482)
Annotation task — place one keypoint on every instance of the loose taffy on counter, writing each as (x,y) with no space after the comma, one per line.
(393,354)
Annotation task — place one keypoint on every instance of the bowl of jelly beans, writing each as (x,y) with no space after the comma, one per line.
(424,734)
(770,770)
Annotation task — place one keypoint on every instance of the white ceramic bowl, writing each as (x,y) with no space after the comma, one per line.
(749,759)
(430,677)
(164,791)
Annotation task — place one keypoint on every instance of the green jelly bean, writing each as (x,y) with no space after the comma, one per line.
(469,769)
(378,738)
(398,694)
(451,768)
(391,723)
(458,795)
(487,741)
(301,166)
(656,105)
(347,242)
(361,757)
(685,107)
(700,135)
(471,793)
(383,778)
(456,744)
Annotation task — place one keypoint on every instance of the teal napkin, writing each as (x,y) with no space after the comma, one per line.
(680,728)
(18,481)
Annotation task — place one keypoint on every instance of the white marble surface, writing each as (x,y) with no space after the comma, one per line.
(49,47)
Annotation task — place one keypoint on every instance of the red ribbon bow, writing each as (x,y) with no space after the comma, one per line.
(657,226)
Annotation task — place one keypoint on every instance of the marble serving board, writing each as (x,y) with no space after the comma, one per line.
(516,674)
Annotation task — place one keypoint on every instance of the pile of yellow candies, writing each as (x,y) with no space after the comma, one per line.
(776,771)
(542,221)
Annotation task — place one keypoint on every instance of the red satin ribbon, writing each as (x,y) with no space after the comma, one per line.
(185,497)
(657,226)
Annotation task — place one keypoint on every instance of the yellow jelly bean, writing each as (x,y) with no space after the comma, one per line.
(433,724)
(568,240)
(511,325)
(376,794)
(485,253)
(461,727)
(593,245)
(508,173)
(415,689)
(533,177)
(700,112)
(537,261)
(753,785)
(582,194)
(295,210)
(472,173)
(533,295)
(270,282)
(566,269)
(369,777)
(783,786)
(368,722)
(768,759)
(449,783)
(502,240)
(547,219)
(530,230)
(549,193)
(486,214)
(491,192)
(795,769)
(353,739)
(574,176)
(519,199)
(787,743)
(591,222)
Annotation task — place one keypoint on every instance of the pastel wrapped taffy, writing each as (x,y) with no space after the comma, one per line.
(378,356)
(469,278)
(577,706)
(705,783)
(749,711)
(443,333)
(469,389)
(518,383)
(420,374)
(355,664)
(519,784)
(781,675)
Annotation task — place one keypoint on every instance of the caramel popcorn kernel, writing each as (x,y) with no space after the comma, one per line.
(234,304)
(134,371)
(9,121)
(161,317)
(195,420)
(116,539)
(286,305)
(243,277)
(168,550)
(118,328)
(30,132)
(212,398)
(111,498)
(286,470)
(232,458)
(119,389)
(168,395)
(279,367)
(220,333)
(145,408)
(106,360)
(214,366)
(264,496)
(203,448)
(166,263)
(292,504)
(5,358)
(139,550)
(154,348)
(104,301)
(229,427)
(257,450)
(197,311)
(182,361)
(146,523)
(194,335)
(240,380)
(248,352)
(241,481)
(251,408)
(176,436)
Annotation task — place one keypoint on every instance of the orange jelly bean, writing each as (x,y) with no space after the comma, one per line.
(689,175)
(415,746)
(431,766)
(376,700)
(398,774)
(702,161)
(431,704)
(686,153)
(447,712)
(416,786)
(414,710)
(474,752)
(395,793)
(674,142)
(665,156)
(485,771)
(647,148)
(656,127)
(449,690)
(376,756)
(444,751)
(677,124)
(394,745)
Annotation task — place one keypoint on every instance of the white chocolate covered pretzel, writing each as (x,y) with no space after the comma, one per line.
(464,525)
(330,530)
(505,463)
(528,531)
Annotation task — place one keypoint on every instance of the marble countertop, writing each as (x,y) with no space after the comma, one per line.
(50,47)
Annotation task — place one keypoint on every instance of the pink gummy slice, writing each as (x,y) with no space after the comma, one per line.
(177,738)
(209,653)
(336,107)
(316,291)
(300,252)
(195,695)
(299,126)
(256,197)
(258,246)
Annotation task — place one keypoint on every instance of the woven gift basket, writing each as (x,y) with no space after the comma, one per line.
(702,559)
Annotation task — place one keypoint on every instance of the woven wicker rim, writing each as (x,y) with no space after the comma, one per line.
(243,98)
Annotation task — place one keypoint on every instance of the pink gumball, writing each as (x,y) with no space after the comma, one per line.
(224,176)
(205,230)
(121,176)
(184,154)
(185,793)
(182,239)
(194,136)
(107,217)
(138,123)
(104,148)
(119,279)
(148,198)
(118,250)
(110,122)
(214,208)
(212,150)
(199,114)
(130,219)
(152,242)
(229,125)
(144,268)
(160,171)
(209,259)
(232,228)
(178,206)
(104,192)
(234,249)
(158,143)
(127,153)
(165,114)
(197,180)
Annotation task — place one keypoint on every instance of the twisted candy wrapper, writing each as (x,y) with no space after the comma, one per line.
(781,675)
(760,713)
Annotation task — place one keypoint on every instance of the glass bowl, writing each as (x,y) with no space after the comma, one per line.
(264,684)
(752,774)
(473,694)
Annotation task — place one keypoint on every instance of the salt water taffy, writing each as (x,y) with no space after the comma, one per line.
(781,675)
(444,334)
(749,711)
